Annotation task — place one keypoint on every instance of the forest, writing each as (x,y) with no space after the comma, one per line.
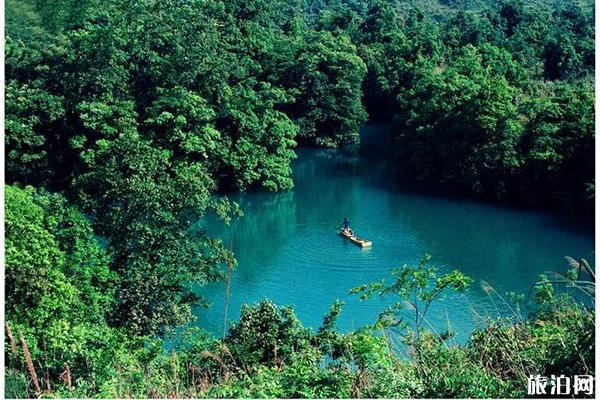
(126,122)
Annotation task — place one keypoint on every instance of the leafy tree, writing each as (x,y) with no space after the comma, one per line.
(144,202)
(59,288)
(418,286)
(569,49)
(327,76)
(462,125)
(558,144)
(259,148)
(266,335)
(28,108)
(55,265)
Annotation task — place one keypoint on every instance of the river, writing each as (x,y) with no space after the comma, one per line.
(288,250)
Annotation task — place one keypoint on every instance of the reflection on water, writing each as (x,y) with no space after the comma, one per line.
(288,249)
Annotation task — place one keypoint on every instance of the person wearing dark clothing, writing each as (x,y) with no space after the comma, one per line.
(346,223)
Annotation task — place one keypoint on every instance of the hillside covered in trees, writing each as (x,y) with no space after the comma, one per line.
(125,118)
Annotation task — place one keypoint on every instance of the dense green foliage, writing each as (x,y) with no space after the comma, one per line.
(233,87)
(268,353)
(467,89)
(124,118)
(482,95)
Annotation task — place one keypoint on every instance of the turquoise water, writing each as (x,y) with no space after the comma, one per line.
(288,250)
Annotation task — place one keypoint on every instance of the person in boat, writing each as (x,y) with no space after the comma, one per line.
(346,225)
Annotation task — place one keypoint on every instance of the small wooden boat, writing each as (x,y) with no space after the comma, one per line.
(354,239)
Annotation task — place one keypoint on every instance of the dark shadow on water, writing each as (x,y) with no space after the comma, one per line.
(375,157)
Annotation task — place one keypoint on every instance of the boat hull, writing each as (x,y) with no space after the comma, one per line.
(356,240)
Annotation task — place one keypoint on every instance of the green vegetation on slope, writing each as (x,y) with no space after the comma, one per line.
(485,100)
(133,113)
(268,353)
(485,97)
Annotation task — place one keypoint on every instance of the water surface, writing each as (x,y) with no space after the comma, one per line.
(288,250)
